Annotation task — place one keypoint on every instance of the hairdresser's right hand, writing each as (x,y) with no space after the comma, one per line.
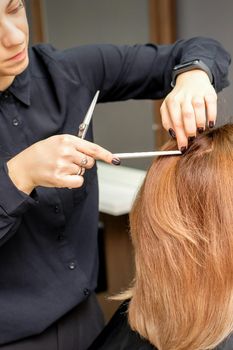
(55,162)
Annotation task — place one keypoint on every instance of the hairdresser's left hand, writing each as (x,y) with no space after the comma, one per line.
(189,107)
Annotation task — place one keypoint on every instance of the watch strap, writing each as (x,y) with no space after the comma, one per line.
(190,65)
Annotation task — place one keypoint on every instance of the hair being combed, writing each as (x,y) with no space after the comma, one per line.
(182,231)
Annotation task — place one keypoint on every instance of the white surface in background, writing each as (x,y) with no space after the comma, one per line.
(118,186)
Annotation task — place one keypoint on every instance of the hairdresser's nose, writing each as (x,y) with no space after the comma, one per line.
(11,34)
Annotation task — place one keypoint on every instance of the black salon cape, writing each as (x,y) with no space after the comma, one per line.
(117,335)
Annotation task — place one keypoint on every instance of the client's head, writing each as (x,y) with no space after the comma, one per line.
(182,231)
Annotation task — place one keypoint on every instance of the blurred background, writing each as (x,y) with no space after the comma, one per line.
(133,125)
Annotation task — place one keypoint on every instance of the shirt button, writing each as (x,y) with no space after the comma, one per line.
(15,122)
(6,94)
(60,237)
(56,209)
(72,265)
(86,292)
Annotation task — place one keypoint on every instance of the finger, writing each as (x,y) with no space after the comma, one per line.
(92,150)
(69,180)
(198,104)
(73,181)
(211,109)
(189,119)
(166,121)
(83,160)
(174,111)
(81,172)
(72,169)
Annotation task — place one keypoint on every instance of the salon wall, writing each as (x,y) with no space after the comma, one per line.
(211,18)
(120,127)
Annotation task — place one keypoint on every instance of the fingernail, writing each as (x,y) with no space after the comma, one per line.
(116,161)
(200,130)
(211,124)
(191,138)
(172,133)
(183,149)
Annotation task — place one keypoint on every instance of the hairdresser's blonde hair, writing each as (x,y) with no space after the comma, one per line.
(182,232)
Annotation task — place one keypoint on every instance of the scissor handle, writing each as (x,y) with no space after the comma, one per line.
(81,132)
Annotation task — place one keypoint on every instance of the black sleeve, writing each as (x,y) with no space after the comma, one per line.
(142,71)
(13,203)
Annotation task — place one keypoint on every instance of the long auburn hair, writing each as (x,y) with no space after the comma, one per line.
(182,231)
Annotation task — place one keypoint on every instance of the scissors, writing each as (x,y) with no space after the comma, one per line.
(86,121)
(85,124)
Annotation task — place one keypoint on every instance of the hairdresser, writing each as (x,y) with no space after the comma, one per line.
(48,182)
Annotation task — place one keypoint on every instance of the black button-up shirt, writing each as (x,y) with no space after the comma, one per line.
(48,240)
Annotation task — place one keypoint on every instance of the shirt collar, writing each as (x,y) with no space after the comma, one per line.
(20,87)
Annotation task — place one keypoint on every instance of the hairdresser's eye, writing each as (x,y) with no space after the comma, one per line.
(16,6)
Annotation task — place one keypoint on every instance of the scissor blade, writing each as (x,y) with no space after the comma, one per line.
(146,154)
(90,111)
(86,121)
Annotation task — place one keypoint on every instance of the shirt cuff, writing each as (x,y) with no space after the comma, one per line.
(12,200)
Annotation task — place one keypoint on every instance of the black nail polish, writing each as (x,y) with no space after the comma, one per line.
(211,124)
(172,133)
(200,130)
(191,138)
(183,149)
(116,161)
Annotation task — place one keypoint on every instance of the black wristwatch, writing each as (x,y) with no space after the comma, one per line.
(187,66)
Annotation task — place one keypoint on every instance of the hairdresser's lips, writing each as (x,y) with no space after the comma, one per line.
(18,57)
